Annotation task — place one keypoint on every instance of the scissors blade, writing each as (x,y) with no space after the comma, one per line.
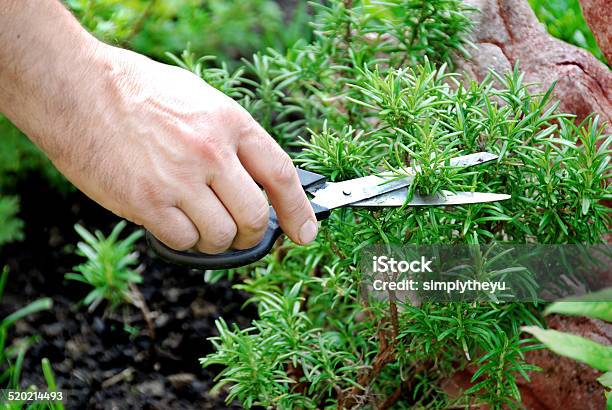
(473,159)
(445,198)
(332,195)
(463,161)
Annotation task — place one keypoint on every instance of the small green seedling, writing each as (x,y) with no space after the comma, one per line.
(12,356)
(110,268)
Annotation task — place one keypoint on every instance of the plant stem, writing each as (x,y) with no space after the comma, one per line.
(139,302)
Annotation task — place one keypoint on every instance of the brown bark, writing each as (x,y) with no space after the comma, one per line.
(507,32)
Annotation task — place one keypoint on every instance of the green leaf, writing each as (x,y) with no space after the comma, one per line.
(575,347)
(596,305)
(36,306)
(606,379)
(597,310)
(3,278)
(51,383)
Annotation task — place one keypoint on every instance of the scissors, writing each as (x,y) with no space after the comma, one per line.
(366,192)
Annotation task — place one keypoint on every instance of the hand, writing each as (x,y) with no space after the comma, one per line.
(162,148)
(156,145)
(153,143)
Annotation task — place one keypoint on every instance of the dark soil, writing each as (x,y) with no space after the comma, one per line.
(96,360)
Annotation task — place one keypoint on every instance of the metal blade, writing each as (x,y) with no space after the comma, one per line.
(333,195)
(473,159)
(445,198)
(336,194)
(463,161)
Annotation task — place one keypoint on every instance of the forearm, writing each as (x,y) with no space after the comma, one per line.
(44,59)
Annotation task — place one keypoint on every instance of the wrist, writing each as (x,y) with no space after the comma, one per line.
(111,73)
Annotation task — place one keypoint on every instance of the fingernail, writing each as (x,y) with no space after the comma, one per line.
(308,232)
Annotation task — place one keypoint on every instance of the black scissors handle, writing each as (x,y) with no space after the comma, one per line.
(237,258)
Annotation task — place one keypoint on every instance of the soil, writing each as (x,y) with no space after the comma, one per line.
(95,358)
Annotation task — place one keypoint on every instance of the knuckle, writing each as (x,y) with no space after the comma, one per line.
(297,208)
(147,194)
(247,126)
(209,151)
(256,222)
(183,241)
(231,115)
(285,173)
(220,239)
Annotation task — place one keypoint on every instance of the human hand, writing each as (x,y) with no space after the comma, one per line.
(158,146)
(162,148)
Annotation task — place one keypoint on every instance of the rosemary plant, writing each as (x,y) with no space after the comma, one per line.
(373,92)
(109,268)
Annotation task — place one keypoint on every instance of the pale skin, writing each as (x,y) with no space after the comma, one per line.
(150,142)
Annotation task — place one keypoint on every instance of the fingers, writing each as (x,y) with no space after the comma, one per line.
(269,165)
(172,227)
(245,202)
(214,223)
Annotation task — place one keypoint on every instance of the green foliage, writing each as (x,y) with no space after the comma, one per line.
(110,20)
(270,358)
(421,28)
(340,155)
(13,355)
(11,227)
(109,268)
(564,20)
(350,103)
(578,348)
(222,27)
(435,333)
(498,371)
(596,305)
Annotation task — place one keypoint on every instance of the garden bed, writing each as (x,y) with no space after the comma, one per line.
(312,329)
(95,359)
